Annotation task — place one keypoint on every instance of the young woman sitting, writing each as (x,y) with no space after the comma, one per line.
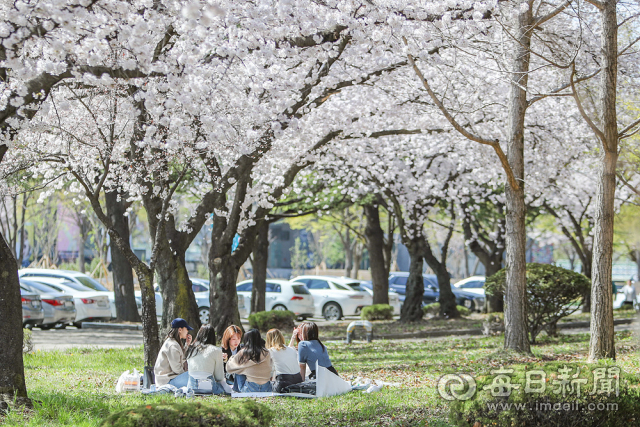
(251,365)
(205,362)
(311,351)
(171,367)
(230,346)
(284,361)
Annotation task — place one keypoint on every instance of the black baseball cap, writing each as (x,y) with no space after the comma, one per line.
(180,323)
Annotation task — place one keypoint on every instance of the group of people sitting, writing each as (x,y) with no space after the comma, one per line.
(248,363)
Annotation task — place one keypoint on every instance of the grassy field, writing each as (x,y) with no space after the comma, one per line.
(77,387)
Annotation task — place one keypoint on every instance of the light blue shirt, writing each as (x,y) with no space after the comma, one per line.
(310,352)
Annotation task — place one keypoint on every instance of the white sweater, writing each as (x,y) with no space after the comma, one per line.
(208,360)
(284,361)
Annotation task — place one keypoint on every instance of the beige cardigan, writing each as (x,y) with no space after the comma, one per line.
(258,373)
(170,362)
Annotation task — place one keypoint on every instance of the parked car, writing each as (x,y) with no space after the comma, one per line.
(90,305)
(73,276)
(32,312)
(334,297)
(474,284)
(282,295)
(138,295)
(398,282)
(394,297)
(59,308)
(201,292)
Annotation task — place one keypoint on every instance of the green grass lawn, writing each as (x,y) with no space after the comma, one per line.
(77,387)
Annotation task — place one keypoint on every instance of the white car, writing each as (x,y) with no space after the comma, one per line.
(90,305)
(333,296)
(201,291)
(282,295)
(473,284)
(394,297)
(73,276)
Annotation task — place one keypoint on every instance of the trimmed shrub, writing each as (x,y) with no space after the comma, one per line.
(265,320)
(434,309)
(229,413)
(552,293)
(27,341)
(548,407)
(377,312)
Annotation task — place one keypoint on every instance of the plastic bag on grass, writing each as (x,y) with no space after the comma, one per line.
(128,382)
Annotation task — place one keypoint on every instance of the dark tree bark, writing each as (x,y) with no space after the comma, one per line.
(223,274)
(126,307)
(412,307)
(260,262)
(178,299)
(23,214)
(376,246)
(489,253)
(12,382)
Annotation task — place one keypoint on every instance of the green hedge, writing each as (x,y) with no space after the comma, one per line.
(377,312)
(552,293)
(548,408)
(265,320)
(434,309)
(229,413)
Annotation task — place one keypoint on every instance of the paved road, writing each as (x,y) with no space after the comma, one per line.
(105,338)
(72,337)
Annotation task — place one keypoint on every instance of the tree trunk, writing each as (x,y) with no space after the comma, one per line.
(602,342)
(357,259)
(348,254)
(375,246)
(82,241)
(123,288)
(12,382)
(587,265)
(150,332)
(412,307)
(178,299)
(515,315)
(447,300)
(494,303)
(223,273)
(22,230)
(260,262)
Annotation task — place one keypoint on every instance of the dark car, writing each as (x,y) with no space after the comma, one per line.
(398,283)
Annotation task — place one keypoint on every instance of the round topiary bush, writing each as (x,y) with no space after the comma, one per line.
(245,413)
(278,319)
(434,309)
(552,293)
(377,312)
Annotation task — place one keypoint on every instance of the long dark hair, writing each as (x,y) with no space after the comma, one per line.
(206,336)
(309,332)
(173,333)
(253,347)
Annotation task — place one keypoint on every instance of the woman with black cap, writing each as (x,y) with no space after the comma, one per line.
(171,367)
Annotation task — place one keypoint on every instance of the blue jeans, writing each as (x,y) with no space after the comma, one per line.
(251,387)
(180,381)
(238,382)
(215,387)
